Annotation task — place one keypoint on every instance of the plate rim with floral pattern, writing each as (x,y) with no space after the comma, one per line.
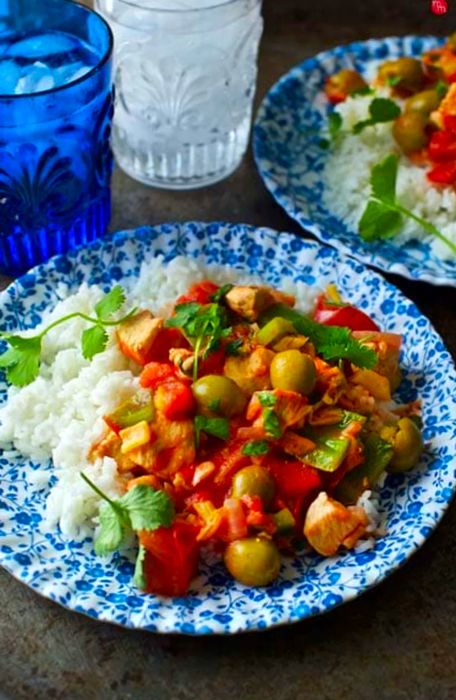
(296,103)
(70,574)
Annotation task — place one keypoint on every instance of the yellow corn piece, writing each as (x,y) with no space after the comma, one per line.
(134,436)
(375,383)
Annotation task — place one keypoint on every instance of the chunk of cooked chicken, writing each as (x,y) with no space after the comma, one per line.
(172,447)
(110,445)
(330,525)
(137,335)
(250,373)
(250,302)
(290,407)
(388,349)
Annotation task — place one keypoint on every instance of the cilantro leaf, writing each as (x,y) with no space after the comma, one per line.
(110,303)
(266,398)
(10,357)
(378,222)
(93,341)
(255,448)
(112,531)
(360,92)
(147,509)
(221,293)
(331,342)
(441,88)
(271,423)
(22,360)
(232,348)
(381,110)
(218,427)
(393,80)
(334,124)
(382,216)
(203,324)
(383,178)
(139,577)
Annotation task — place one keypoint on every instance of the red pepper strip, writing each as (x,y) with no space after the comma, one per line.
(166,339)
(443,174)
(449,120)
(200,292)
(175,399)
(347,315)
(442,146)
(171,558)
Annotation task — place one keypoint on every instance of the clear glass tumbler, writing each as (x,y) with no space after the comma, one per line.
(56,107)
(185,75)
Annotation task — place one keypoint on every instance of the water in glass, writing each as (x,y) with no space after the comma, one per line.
(185,80)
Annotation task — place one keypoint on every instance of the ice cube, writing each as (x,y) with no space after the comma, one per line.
(71,72)
(10,74)
(40,45)
(35,78)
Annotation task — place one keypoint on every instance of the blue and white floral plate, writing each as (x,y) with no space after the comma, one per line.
(69,572)
(291,162)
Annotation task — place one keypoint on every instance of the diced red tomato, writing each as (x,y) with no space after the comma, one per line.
(449,120)
(200,293)
(442,146)
(171,558)
(166,339)
(443,174)
(293,478)
(176,399)
(347,315)
(155,373)
(213,364)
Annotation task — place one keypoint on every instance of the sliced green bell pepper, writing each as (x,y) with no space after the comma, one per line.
(274,331)
(377,456)
(329,454)
(140,407)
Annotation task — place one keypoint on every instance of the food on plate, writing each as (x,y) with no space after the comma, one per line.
(391,170)
(218,416)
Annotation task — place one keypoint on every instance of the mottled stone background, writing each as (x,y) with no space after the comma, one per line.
(397,642)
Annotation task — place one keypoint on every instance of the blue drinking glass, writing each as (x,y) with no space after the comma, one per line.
(56,107)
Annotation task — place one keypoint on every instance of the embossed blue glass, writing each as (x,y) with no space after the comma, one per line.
(55,125)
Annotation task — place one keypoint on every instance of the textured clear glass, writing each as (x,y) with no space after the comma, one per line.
(55,125)
(185,75)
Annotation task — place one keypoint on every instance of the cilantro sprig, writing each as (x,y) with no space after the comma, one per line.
(331,342)
(21,361)
(383,215)
(141,508)
(204,325)
(381,110)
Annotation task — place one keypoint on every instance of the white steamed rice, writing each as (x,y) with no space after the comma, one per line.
(59,415)
(347,175)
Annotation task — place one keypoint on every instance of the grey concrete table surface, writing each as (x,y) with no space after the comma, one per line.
(397,642)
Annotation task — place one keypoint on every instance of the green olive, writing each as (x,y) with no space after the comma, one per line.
(407,446)
(291,370)
(409,131)
(215,393)
(423,102)
(404,73)
(254,481)
(253,561)
(346,82)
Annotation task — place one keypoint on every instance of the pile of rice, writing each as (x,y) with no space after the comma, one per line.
(347,174)
(59,415)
